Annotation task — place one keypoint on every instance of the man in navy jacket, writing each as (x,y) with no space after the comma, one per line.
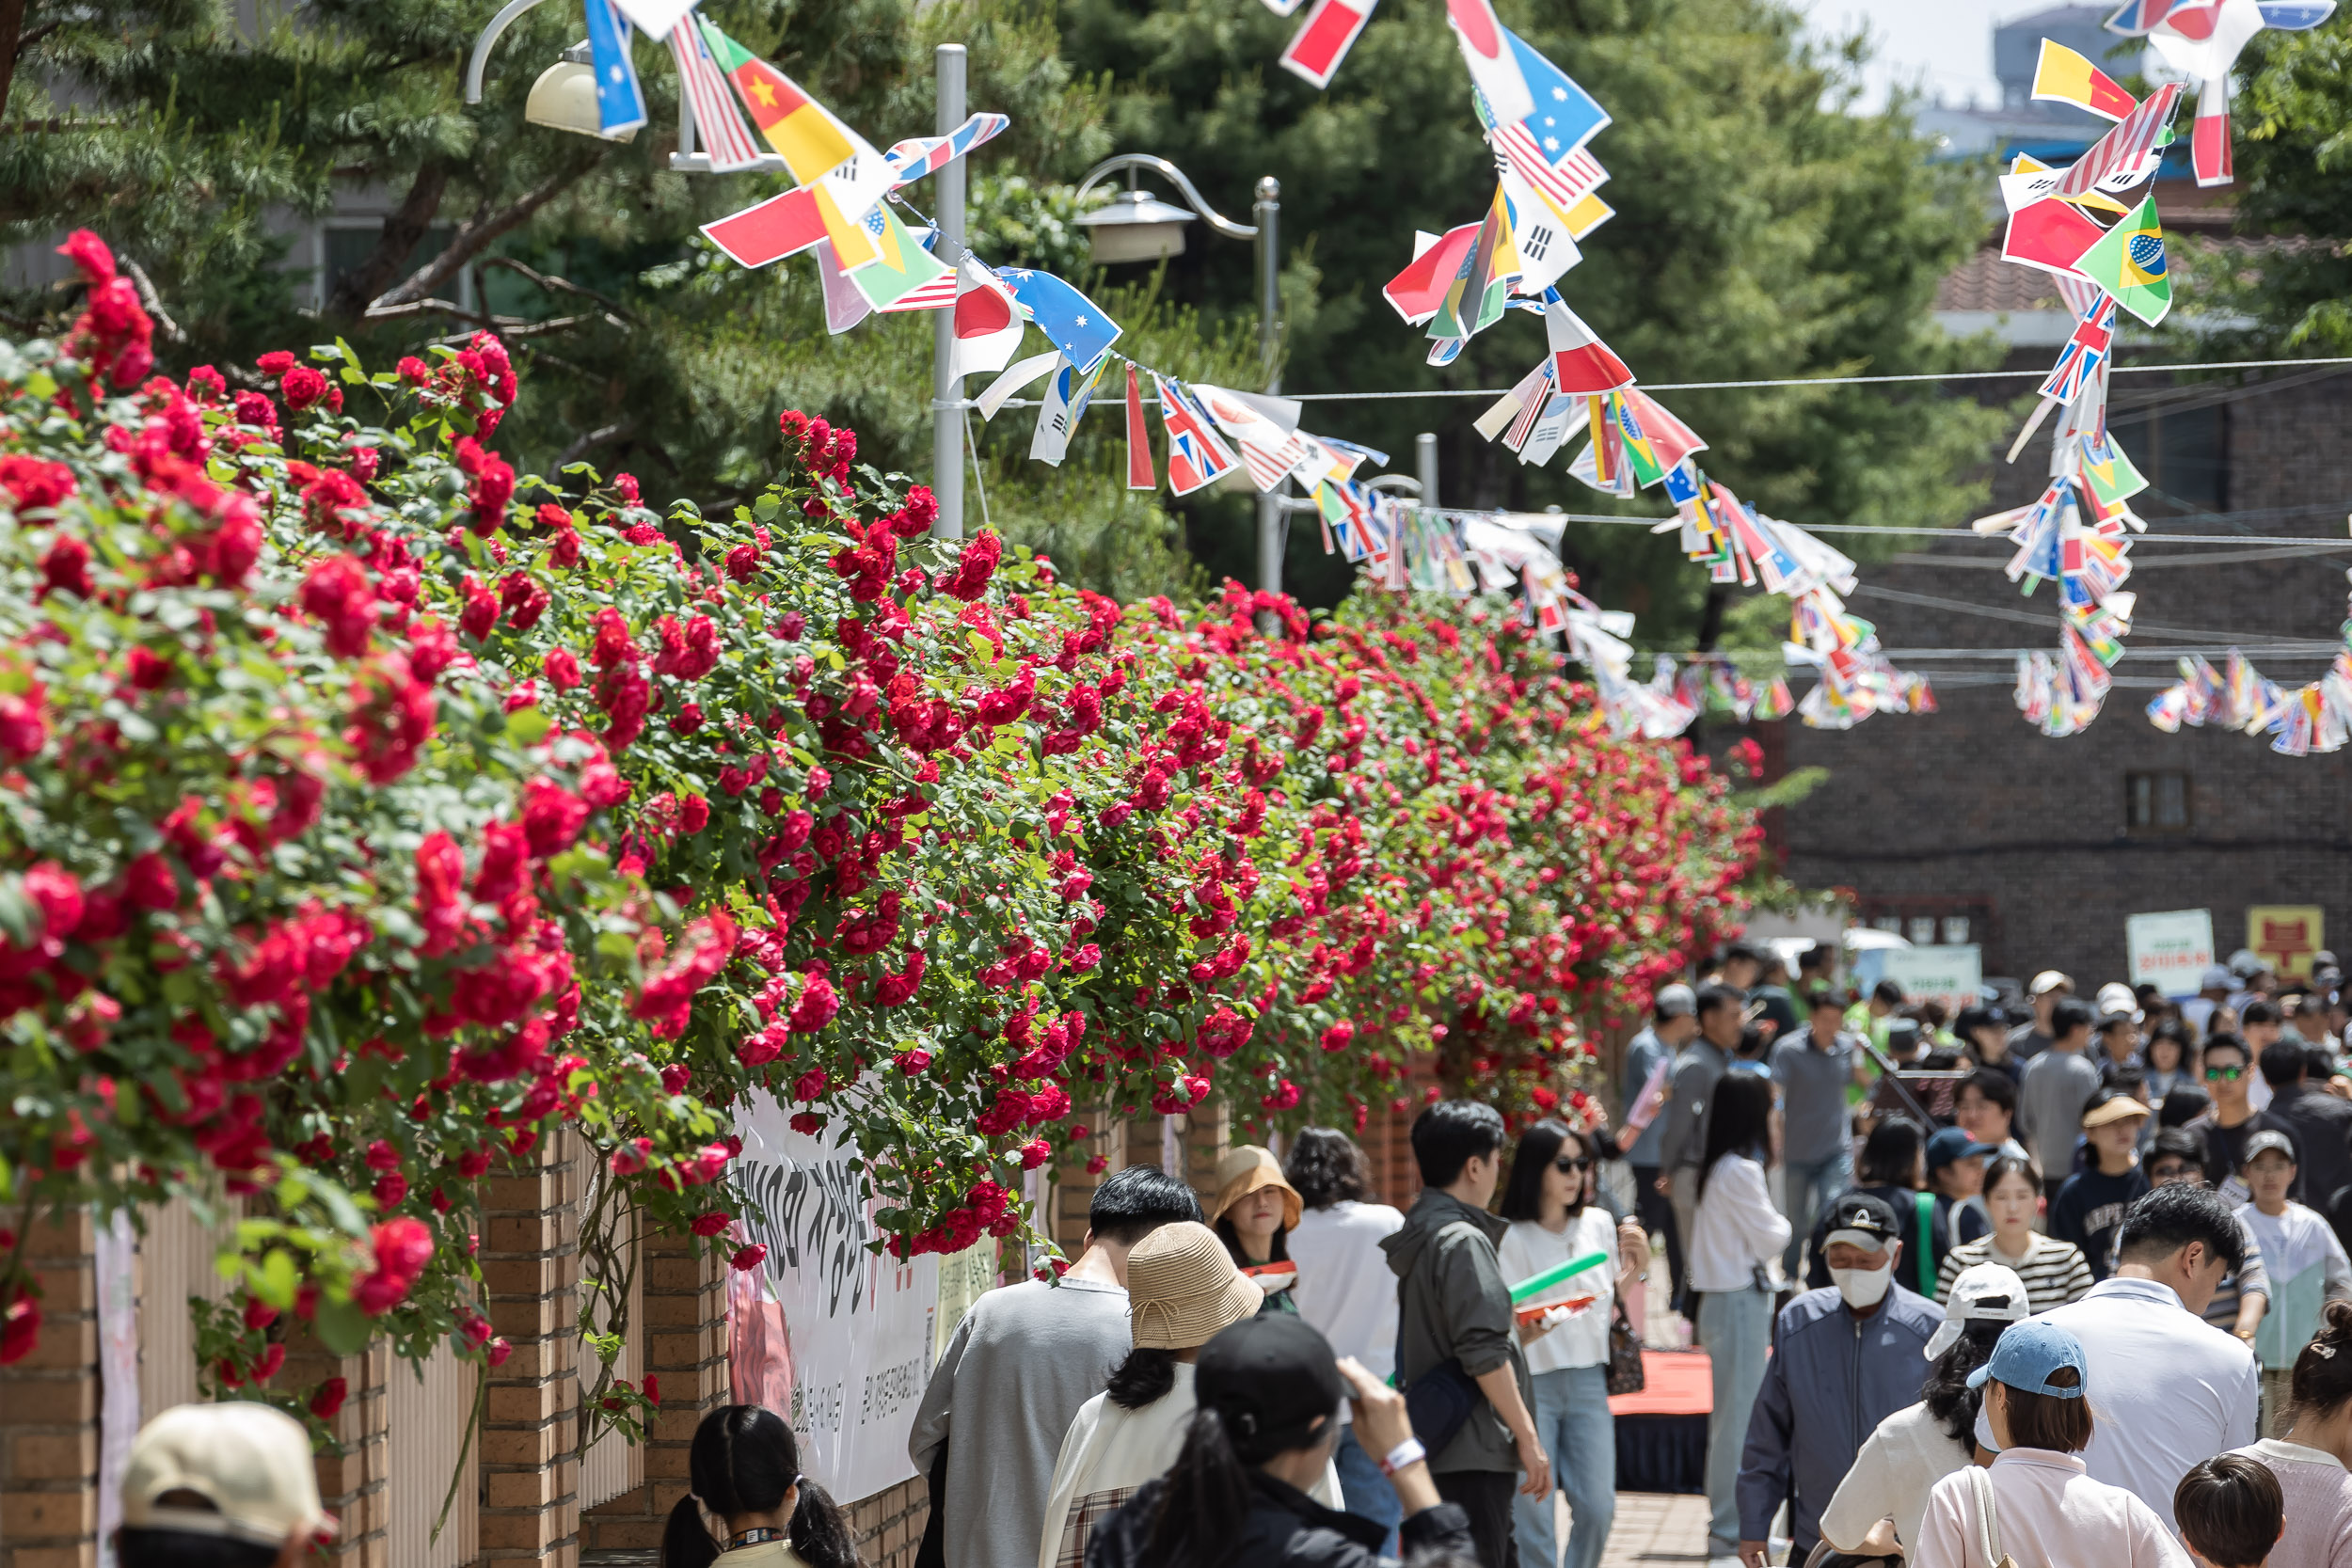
(1844,1358)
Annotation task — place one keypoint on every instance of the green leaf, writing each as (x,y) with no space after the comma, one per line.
(341,1327)
(527,726)
(277,1280)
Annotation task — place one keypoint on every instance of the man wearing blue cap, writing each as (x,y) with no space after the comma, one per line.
(2037,1504)
(1843,1360)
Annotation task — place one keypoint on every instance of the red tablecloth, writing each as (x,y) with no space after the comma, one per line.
(1680,1383)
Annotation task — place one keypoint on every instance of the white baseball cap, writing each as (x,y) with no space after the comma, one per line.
(1983,1293)
(2116,1000)
(250,1463)
(2049,980)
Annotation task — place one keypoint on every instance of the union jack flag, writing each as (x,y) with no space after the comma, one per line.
(2084,352)
(1196,455)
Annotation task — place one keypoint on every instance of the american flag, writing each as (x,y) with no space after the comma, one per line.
(1564,183)
(718,124)
(2093,340)
(918,157)
(1531,409)
(2126,149)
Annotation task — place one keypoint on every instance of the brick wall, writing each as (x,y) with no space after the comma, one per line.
(1972,804)
(49,1410)
(529,1416)
(355,1473)
(686,1348)
(888,1526)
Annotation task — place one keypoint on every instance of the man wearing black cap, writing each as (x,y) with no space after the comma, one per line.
(1843,1360)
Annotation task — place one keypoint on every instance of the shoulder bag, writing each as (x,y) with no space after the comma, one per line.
(1625,1375)
(1441,1399)
(1988,1518)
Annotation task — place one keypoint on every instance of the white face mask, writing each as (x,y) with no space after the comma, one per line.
(1862,1286)
(1984,1432)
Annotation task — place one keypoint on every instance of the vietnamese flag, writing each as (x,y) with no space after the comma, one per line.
(2051,235)
(809,139)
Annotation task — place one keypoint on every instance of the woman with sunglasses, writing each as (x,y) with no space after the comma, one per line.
(1555,1217)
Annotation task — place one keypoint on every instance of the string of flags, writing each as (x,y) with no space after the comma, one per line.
(2201,39)
(2299,720)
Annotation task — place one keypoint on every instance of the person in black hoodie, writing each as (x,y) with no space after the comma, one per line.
(1269,1391)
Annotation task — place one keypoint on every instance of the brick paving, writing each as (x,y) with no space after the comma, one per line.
(1654,1528)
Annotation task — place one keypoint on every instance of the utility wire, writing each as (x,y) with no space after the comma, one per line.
(1830,380)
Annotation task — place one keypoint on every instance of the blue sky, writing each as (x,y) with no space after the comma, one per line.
(1946,45)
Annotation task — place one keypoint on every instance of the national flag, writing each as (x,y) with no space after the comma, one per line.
(1420,288)
(1682,484)
(1565,182)
(912,159)
(1531,409)
(2128,262)
(1494,64)
(1540,232)
(802,131)
(1565,117)
(1498,416)
(1640,457)
(1669,438)
(2084,352)
(1281,8)
(1013,379)
(900,266)
(2136,17)
(2127,153)
(1562,419)
(718,125)
(1196,455)
(1481,289)
(1078,326)
(2201,38)
(2211,157)
(845,198)
(620,102)
(1139,472)
(2050,234)
(769,231)
(845,307)
(2109,471)
(1268,450)
(1330,32)
(988,323)
(2294,16)
(655,18)
(1353,455)
(2063,76)
(1067,393)
(1582,363)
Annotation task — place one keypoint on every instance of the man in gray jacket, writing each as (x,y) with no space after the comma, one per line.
(1453,1305)
(1844,1358)
(1705,1059)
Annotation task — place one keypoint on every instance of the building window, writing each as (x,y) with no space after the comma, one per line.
(1955,930)
(2155,802)
(2185,453)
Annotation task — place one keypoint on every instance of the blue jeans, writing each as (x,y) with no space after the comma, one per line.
(1364,1491)
(1809,1186)
(1572,1419)
(1735,1327)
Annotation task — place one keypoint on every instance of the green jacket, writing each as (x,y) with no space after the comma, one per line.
(1452,1303)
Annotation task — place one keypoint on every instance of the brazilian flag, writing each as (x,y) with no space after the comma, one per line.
(2128,262)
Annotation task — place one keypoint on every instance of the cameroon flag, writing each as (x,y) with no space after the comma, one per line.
(2128,262)
(810,140)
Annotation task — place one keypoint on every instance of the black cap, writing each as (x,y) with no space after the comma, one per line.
(1271,1378)
(1865,1214)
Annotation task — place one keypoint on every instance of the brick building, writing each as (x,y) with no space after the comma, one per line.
(1968,825)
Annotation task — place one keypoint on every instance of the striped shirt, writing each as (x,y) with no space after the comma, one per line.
(2054,1271)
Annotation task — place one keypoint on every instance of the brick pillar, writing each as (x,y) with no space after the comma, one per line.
(1208,1132)
(530,1418)
(353,1472)
(49,1408)
(888,1526)
(686,1347)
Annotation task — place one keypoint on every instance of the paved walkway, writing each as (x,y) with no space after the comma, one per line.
(1653,1528)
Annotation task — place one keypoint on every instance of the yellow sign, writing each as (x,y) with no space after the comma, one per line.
(2286,935)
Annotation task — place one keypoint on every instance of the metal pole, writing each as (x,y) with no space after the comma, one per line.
(1272,526)
(1426,461)
(946,390)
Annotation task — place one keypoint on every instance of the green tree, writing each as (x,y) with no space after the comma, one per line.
(1762,230)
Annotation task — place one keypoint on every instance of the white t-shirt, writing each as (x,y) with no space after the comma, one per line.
(2166,1388)
(1346,1291)
(1527,1249)
(1899,1465)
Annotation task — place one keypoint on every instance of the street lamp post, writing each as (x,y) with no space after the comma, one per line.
(1135,226)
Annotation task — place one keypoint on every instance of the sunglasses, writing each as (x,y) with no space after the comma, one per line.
(2167,1172)
(2227,1075)
(1568,1167)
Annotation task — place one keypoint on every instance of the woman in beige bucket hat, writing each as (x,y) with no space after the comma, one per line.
(1255,1212)
(1182,1289)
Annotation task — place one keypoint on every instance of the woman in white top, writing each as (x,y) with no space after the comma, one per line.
(1346,1291)
(2035,1503)
(749,1506)
(1735,1241)
(2309,1458)
(1181,1288)
(1554,1219)
(1878,1507)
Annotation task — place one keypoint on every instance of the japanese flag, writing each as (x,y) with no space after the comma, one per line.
(988,323)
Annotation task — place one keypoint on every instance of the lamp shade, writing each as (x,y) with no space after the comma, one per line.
(564,98)
(1135,227)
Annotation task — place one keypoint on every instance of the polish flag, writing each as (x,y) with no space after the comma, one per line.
(1582,364)
(988,323)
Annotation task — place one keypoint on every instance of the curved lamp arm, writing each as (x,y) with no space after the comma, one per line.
(1131,161)
(483,45)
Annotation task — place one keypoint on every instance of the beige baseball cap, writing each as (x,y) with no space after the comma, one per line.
(250,1463)
(1183,1287)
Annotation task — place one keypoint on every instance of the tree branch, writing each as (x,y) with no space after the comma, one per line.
(555,285)
(479,230)
(595,438)
(11,44)
(398,240)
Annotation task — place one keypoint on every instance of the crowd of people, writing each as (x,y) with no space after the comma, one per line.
(1975,1291)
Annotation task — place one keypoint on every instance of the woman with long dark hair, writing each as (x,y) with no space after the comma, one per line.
(1735,1241)
(1181,1290)
(1269,1392)
(749,1506)
(1550,1203)
(1878,1507)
